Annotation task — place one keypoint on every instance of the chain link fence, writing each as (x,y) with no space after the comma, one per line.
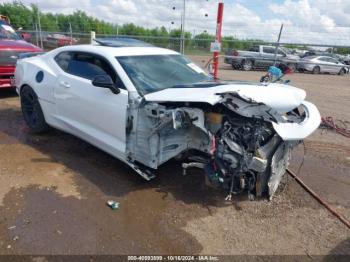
(193,46)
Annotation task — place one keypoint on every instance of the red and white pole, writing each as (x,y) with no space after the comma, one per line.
(218,39)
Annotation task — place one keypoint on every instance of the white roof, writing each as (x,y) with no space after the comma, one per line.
(118,51)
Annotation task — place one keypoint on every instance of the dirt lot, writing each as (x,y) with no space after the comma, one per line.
(54,188)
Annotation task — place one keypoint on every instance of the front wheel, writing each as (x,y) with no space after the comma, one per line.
(32,112)
(247,65)
(292,67)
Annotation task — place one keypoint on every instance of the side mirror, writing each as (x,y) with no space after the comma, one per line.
(105,81)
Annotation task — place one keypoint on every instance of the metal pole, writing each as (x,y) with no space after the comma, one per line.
(36,34)
(320,200)
(40,35)
(277,45)
(183,27)
(218,39)
(181,36)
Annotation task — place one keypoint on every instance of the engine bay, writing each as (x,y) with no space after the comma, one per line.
(237,153)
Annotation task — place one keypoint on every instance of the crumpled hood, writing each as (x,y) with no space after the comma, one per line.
(281,98)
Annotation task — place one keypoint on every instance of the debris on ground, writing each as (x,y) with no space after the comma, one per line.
(331,124)
(15,238)
(113,204)
(12,227)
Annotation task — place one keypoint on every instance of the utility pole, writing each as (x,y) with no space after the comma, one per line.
(183,26)
(277,45)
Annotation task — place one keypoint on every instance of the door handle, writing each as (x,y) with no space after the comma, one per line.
(65,84)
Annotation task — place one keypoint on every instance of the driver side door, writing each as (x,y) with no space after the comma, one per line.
(92,113)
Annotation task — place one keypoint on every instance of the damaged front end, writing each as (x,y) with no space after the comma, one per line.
(242,142)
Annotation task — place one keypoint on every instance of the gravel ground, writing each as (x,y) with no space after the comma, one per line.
(54,188)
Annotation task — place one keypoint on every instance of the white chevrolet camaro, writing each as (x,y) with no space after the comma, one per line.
(146,105)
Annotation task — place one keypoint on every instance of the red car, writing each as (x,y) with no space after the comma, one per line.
(11,45)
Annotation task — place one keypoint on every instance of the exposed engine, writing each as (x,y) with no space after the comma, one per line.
(237,153)
(242,150)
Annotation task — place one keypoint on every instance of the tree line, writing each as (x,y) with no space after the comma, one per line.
(27,18)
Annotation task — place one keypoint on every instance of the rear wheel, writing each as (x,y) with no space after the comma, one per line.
(234,66)
(316,70)
(32,112)
(247,65)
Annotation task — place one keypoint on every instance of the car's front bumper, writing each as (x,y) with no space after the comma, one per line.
(299,131)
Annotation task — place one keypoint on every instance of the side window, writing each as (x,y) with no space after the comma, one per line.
(254,49)
(88,66)
(268,50)
(332,60)
(63,59)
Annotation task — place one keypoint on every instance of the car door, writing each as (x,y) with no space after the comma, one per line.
(258,57)
(322,62)
(333,65)
(269,55)
(93,113)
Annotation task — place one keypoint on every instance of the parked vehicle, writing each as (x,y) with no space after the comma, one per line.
(11,45)
(322,64)
(346,59)
(338,57)
(58,40)
(260,57)
(146,105)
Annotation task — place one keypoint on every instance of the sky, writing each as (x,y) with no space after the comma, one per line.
(305,21)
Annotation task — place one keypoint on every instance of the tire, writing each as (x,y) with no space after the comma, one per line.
(247,65)
(32,112)
(342,72)
(292,67)
(234,66)
(316,70)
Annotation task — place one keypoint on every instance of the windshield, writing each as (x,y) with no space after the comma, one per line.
(7,32)
(152,73)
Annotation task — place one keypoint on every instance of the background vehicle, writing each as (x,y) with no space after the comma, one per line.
(11,45)
(260,57)
(57,40)
(322,64)
(147,105)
